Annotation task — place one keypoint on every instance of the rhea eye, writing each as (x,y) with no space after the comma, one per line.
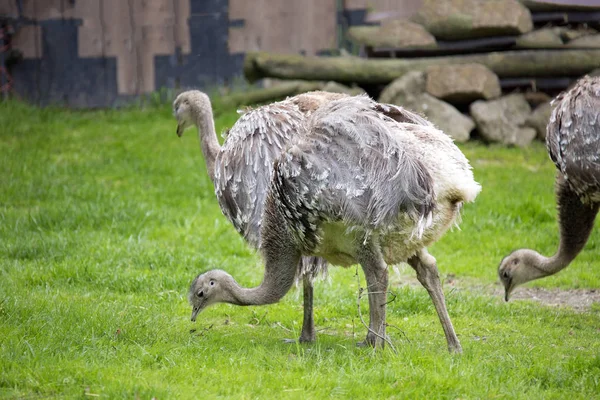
(212,283)
(201,293)
(515,261)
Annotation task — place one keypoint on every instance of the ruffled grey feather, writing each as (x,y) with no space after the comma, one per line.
(359,166)
(573,138)
(243,167)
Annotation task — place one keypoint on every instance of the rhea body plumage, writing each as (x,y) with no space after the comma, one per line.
(366,183)
(573,143)
(241,169)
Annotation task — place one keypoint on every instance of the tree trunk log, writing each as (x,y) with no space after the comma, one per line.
(524,63)
(276,92)
(558,5)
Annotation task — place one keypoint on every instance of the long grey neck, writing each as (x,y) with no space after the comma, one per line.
(576,221)
(208,138)
(281,261)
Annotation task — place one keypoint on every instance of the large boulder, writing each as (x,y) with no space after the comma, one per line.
(409,91)
(394,34)
(462,83)
(502,120)
(539,118)
(404,89)
(443,115)
(465,19)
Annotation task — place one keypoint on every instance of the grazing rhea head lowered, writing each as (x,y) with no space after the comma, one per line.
(573,142)
(368,183)
(209,288)
(241,169)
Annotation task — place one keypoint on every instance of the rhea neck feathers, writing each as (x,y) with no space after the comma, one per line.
(203,116)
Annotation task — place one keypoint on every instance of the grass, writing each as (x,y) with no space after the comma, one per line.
(106,216)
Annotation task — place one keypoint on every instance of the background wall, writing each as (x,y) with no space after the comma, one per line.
(104,52)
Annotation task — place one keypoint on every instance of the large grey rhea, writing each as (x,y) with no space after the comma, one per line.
(241,170)
(573,143)
(366,183)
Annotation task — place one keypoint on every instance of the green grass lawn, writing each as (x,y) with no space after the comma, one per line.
(106,217)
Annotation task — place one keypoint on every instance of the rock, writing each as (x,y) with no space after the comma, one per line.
(395,34)
(462,83)
(466,19)
(502,120)
(409,91)
(538,120)
(524,136)
(546,38)
(404,89)
(335,87)
(588,42)
(443,115)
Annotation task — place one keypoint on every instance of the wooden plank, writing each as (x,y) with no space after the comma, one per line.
(181,11)
(9,8)
(93,29)
(313,23)
(246,37)
(324,19)
(48,9)
(355,4)
(28,40)
(120,43)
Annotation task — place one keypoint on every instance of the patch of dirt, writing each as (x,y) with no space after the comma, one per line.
(577,299)
(580,300)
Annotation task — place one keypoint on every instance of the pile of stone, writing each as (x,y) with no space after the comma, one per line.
(485,68)
(463,97)
(508,119)
(449,27)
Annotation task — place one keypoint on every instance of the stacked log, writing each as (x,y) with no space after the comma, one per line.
(468,55)
(509,64)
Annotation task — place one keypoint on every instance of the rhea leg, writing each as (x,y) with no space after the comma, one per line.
(427,273)
(376,274)
(308,325)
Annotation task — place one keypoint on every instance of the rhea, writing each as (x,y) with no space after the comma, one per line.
(241,169)
(573,143)
(366,183)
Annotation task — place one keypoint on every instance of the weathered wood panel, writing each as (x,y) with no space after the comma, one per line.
(306,27)
(114,50)
(28,40)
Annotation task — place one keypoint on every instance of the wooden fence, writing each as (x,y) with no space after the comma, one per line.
(98,53)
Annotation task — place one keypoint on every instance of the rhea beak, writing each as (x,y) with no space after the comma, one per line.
(180,129)
(195,312)
(508,288)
